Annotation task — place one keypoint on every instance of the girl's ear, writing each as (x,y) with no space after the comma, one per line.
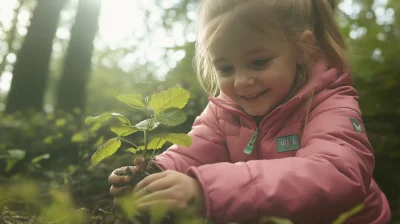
(307,43)
(308,37)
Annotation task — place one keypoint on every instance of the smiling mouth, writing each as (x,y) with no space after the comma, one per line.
(252,97)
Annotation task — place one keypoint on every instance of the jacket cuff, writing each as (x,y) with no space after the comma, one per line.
(157,166)
(162,163)
(195,173)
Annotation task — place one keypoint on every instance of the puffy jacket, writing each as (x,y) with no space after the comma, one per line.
(307,173)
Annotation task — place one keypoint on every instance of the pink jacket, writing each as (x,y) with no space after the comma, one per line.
(275,169)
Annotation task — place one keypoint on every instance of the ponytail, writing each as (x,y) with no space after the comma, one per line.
(328,34)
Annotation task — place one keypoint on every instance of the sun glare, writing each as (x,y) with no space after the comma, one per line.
(119,20)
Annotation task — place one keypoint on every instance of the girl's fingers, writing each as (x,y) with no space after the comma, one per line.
(117,177)
(151,179)
(168,204)
(119,180)
(152,188)
(126,169)
(156,196)
(148,197)
(118,191)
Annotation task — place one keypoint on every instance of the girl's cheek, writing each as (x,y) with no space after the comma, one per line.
(222,83)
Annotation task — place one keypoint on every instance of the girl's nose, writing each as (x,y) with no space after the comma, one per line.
(243,80)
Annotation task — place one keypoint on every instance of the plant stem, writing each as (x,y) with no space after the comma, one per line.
(146,138)
(153,153)
(146,135)
(129,142)
(145,173)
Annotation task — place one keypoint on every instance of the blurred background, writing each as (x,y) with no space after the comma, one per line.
(63,60)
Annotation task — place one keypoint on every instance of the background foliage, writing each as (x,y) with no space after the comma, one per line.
(66,71)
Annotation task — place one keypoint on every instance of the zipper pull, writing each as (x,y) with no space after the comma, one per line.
(249,148)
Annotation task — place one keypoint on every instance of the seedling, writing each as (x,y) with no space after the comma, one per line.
(163,108)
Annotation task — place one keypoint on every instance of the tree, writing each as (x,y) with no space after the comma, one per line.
(72,85)
(32,66)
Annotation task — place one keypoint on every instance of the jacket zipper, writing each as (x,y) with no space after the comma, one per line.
(250,146)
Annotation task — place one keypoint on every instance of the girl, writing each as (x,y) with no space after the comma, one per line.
(285,136)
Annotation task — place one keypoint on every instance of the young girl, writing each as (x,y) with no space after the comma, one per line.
(284,137)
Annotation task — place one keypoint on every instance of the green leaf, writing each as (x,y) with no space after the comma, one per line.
(61,122)
(38,158)
(48,140)
(128,207)
(123,130)
(156,143)
(26,190)
(17,154)
(77,111)
(148,124)
(99,141)
(106,150)
(62,206)
(171,117)
(101,118)
(95,127)
(10,163)
(276,220)
(79,137)
(133,100)
(133,150)
(347,215)
(159,211)
(105,117)
(171,98)
(121,118)
(179,139)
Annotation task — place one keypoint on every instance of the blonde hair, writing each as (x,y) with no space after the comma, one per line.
(290,17)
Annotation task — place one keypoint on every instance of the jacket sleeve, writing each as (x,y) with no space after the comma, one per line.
(330,174)
(207,139)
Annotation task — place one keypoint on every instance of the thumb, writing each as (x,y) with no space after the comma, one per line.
(139,162)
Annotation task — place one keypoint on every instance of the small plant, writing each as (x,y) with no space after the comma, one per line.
(161,109)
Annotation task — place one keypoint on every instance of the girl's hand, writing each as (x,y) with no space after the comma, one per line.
(120,184)
(121,178)
(169,189)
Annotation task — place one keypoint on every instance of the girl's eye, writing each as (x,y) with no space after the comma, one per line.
(260,63)
(226,70)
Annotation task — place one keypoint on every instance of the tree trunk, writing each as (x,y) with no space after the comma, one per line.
(72,85)
(32,66)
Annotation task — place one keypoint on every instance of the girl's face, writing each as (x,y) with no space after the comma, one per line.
(256,70)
